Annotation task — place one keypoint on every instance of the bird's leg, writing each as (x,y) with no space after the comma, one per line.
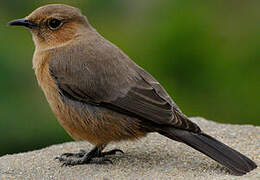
(95,156)
(99,153)
(83,157)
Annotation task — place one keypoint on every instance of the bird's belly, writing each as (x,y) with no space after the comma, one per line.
(94,124)
(97,125)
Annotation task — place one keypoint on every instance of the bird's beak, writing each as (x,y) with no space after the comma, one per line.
(22,22)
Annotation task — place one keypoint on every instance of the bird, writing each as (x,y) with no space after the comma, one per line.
(98,94)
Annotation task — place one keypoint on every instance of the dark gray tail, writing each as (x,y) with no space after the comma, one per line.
(233,160)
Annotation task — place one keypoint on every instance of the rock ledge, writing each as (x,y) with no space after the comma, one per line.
(153,157)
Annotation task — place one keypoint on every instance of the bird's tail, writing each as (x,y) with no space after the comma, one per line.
(233,160)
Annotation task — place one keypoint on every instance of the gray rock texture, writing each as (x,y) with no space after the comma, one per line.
(153,157)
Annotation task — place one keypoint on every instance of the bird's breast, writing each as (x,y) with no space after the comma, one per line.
(62,111)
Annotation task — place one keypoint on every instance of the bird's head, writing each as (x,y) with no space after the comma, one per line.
(53,25)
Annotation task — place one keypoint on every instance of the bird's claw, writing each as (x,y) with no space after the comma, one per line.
(85,158)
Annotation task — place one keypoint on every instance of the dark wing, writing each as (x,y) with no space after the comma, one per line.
(115,82)
(150,100)
(142,100)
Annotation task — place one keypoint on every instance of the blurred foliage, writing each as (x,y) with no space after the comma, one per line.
(205,53)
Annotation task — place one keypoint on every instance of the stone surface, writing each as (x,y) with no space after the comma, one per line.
(153,157)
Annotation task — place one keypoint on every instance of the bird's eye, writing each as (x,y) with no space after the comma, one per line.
(54,23)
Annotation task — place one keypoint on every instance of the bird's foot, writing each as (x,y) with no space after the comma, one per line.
(82,152)
(83,157)
(82,160)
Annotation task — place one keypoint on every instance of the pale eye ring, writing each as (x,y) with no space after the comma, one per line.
(54,23)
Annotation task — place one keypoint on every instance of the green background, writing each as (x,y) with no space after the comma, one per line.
(206,54)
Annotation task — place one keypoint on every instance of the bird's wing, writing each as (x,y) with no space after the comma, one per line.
(105,76)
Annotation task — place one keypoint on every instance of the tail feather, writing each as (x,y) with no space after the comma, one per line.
(232,159)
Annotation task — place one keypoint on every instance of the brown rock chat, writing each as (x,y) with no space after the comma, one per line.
(100,95)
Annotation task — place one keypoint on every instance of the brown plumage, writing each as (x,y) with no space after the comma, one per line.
(99,94)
